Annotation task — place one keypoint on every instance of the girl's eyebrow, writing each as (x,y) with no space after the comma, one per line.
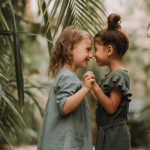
(95,48)
(89,48)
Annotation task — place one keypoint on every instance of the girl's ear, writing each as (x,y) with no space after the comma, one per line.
(109,50)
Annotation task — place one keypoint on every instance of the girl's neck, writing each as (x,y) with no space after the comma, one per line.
(116,65)
(71,68)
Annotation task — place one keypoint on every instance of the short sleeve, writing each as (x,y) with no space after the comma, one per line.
(120,81)
(65,87)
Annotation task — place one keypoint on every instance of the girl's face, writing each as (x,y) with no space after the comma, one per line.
(101,54)
(81,53)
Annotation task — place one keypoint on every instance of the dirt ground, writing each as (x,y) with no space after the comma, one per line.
(33,147)
(28,148)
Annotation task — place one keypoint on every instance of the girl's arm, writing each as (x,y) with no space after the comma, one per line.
(90,74)
(74,101)
(110,103)
(93,94)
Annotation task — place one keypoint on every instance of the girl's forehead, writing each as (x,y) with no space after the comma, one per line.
(97,40)
(96,43)
(85,41)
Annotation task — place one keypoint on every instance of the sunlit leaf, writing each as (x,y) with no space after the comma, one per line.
(18,62)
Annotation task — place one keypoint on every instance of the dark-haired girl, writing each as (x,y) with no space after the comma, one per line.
(113,94)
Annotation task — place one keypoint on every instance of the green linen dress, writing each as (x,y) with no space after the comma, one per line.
(65,132)
(113,133)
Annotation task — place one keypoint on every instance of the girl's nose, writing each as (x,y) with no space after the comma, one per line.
(94,57)
(90,55)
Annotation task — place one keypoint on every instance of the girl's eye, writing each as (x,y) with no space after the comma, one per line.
(88,49)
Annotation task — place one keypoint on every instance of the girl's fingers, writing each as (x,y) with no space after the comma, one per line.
(89,73)
(92,80)
(89,78)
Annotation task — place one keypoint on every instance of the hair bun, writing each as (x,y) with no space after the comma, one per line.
(114,21)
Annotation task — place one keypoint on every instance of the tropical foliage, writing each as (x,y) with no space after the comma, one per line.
(18,43)
(14,86)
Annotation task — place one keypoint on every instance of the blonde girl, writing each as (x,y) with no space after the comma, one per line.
(66,124)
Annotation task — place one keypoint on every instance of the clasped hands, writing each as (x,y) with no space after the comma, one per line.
(89,79)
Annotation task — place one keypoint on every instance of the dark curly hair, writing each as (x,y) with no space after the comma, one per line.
(113,35)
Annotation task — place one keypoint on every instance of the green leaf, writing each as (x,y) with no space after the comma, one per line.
(11,105)
(54,8)
(6,136)
(64,8)
(46,21)
(2,77)
(35,101)
(18,62)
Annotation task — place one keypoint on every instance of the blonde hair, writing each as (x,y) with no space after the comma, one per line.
(61,52)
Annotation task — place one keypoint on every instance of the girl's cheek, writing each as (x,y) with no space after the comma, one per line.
(95,55)
(90,55)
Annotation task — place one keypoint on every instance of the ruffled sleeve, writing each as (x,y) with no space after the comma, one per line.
(117,80)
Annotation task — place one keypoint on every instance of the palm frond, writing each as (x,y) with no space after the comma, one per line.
(44,8)
(2,77)
(10,118)
(87,14)
(15,46)
(9,126)
(35,102)
(22,33)
(10,104)
(18,62)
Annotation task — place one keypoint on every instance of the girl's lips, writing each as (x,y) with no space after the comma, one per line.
(87,59)
(94,58)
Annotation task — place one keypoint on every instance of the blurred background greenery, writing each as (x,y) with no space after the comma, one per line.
(28,29)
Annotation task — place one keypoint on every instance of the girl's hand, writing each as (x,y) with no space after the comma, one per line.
(88,80)
(89,75)
(95,86)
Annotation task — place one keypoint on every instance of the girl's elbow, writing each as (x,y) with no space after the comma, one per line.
(111,111)
(65,111)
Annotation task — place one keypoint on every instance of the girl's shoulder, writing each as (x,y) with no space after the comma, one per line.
(65,75)
(117,75)
(64,72)
(118,79)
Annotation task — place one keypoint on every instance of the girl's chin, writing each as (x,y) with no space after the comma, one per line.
(99,64)
(81,66)
(84,65)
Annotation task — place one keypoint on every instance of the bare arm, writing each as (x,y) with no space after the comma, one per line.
(93,95)
(74,101)
(90,75)
(110,103)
